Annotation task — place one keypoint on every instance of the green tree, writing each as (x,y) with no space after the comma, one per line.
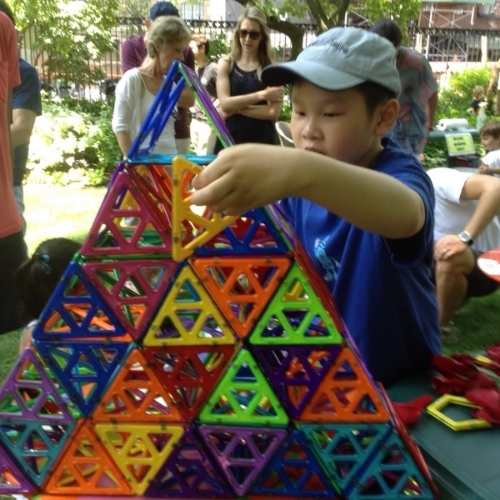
(331,13)
(68,34)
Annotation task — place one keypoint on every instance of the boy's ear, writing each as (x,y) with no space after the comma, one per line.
(387,115)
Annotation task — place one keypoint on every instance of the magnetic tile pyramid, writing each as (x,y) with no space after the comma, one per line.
(189,354)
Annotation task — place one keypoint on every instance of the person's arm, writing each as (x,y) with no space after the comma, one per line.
(9,118)
(486,190)
(186,99)
(432,107)
(235,182)
(123,112)
(23,121)
(269,111)
(493,79)
(129,56)
(235,104)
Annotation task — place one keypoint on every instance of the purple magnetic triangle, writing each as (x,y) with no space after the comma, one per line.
(190,472)
(234,455)
(7,465)
(275,362)
(206,104)
(47,393)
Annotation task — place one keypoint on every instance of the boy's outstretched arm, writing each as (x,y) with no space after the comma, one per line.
(249,176)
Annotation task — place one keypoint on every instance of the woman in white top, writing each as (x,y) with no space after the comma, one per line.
(166,39)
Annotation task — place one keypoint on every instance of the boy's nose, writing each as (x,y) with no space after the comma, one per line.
(310,129)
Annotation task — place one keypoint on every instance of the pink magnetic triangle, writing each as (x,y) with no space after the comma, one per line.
(110,234)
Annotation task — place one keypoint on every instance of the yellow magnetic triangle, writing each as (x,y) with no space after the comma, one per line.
(139,450)
(205,226)
(188,316)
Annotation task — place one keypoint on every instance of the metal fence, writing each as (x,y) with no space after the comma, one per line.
(439,45)
(456,45)
(127,27)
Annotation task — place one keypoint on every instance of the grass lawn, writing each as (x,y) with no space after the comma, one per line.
(69,211)
(52,211)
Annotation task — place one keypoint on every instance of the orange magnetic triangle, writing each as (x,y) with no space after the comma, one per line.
(86,468)
(242,287)
(189,373)
(139,450)
(346,394)
(188,316)
(136,395)
(125,224)
(206,224)
(295,316)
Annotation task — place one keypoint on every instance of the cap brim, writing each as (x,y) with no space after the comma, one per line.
(317,74)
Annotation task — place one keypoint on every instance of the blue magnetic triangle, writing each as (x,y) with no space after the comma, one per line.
(84,295)
(391,475)
(84,369)
(35,445)
(261,237)
(294,471)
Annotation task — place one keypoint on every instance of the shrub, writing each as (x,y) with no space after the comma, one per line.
(73,142)
(454,100)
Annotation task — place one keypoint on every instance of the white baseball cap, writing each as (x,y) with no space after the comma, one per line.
(339,59)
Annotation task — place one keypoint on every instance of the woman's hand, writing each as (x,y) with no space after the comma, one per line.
(273,94)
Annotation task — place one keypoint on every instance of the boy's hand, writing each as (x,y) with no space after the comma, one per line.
(484,169)
(239,179)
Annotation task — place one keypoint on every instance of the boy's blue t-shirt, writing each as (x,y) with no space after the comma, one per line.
(382,288)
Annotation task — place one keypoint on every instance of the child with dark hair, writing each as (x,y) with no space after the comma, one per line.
(36,279)
(490,137)
(361,207)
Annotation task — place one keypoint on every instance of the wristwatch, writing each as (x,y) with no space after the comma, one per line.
(466,237)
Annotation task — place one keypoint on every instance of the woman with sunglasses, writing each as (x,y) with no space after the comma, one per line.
(248,107)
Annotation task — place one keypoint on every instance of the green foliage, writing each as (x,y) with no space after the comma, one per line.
(73,142)
(69,34)
(331,13)
(134,8)
(454,100)
(219,46)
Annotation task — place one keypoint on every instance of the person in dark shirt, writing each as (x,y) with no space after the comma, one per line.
(249,107)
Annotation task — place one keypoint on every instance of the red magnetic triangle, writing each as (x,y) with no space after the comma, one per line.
(132,289)
(189,373)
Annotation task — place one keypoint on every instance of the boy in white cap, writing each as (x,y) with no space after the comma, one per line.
(361,207)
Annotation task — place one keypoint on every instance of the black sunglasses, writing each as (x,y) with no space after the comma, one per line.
(253,34)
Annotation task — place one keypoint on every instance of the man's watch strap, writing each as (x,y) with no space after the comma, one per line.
(466,237)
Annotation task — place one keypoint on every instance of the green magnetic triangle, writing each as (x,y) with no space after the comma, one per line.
(244,397)
(295,315)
